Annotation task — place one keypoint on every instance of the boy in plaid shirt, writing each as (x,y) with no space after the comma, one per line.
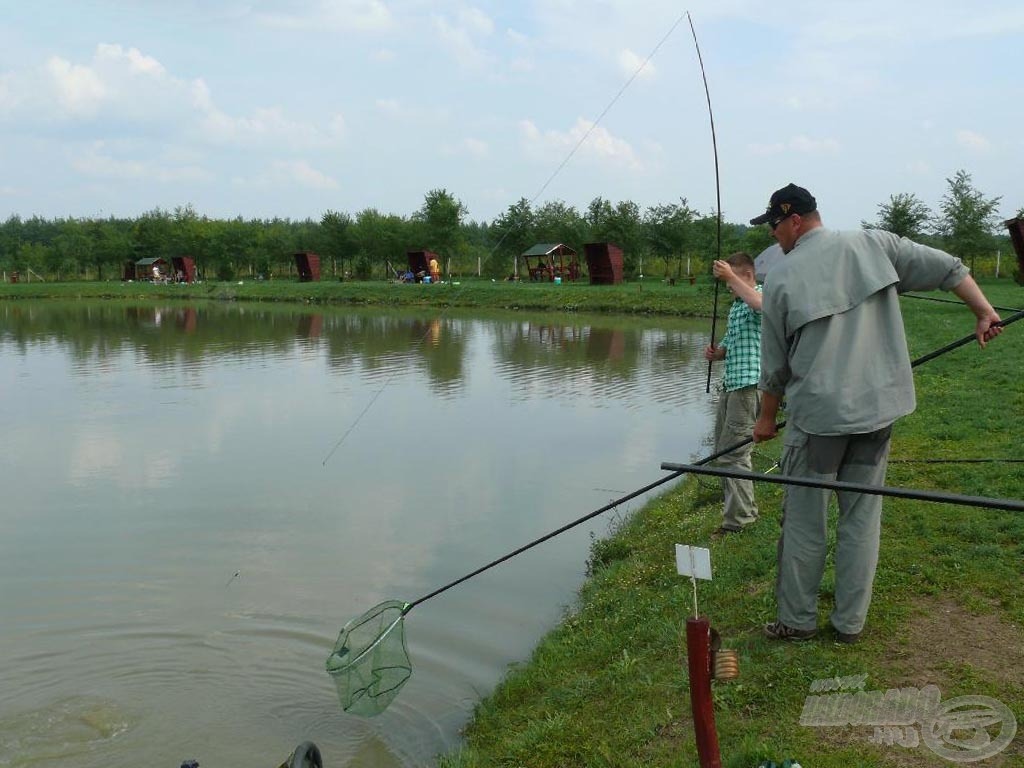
(740,399)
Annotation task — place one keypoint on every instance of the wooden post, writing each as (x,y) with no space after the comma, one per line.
(698,654)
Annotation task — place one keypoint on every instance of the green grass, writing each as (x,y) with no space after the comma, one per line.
(608,687)
(648,297)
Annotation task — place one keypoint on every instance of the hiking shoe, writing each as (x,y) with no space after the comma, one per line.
(779,631)
(846,638)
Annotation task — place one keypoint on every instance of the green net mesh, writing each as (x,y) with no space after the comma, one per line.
(370,663)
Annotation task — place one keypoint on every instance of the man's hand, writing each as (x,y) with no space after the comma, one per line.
(765,429)
(986,330)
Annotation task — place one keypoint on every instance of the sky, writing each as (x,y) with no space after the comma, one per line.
(289,108)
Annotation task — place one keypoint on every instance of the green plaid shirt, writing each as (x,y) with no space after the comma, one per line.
(742,342)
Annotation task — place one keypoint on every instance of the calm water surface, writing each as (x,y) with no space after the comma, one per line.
(332,460)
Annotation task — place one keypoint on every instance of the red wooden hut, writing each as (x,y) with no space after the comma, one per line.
(1016,227)
(184,269)
(551,260)
(604,263)
(419,263)
(308,265)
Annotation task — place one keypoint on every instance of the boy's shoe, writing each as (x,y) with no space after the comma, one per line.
(779,631)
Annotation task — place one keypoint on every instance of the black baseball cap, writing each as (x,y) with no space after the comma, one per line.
(790,199)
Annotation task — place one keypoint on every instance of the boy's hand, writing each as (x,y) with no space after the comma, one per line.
(711,352)
(722,270)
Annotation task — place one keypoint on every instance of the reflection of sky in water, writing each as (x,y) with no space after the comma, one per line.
(148,461)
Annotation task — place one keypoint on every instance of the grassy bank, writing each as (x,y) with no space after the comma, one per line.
(609,688)
(648,297)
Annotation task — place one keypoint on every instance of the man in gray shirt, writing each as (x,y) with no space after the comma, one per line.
(833,344)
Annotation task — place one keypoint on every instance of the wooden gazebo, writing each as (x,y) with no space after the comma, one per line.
(147,269)
(546,261)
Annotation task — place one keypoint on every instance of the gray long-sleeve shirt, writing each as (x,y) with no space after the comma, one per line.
(832,338)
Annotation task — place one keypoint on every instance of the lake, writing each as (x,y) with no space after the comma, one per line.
(197,497)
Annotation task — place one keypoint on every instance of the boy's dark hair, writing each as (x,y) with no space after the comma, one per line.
(741,259)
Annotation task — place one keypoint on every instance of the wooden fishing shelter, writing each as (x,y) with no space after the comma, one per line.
(604,263)
(1016,227)
(143,269)
(546,261)
(308,265)
(419,263)
(184,269)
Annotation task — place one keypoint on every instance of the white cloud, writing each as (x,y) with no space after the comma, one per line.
(597,144)
(972,140)
(464,37)
(129,90)
(385,55)
(78,89)
(476,147)
(630,64)
(798,144)
(300,172)
(98,162)
(268,127)
(517,37)
(389,106)
(354,15)
(133,57)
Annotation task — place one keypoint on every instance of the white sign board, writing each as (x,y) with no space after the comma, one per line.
(693,561)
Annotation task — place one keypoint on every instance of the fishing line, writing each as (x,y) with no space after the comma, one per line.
(532,200)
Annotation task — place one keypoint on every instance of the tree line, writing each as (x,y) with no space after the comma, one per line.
(665,241)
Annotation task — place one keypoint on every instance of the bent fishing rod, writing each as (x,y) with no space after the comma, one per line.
(718,188)
(673,475)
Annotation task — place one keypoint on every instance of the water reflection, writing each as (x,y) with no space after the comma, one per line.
(158,450)
(556,359)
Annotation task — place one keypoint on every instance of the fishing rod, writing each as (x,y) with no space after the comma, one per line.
(953,301)
(841,485)
(718,189)
(956,461)
(370,663)
(667,478)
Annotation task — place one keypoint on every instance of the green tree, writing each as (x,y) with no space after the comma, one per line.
(441,214)
(515,232)
(668,230)
(337,238)
(968,219)
(556,222)
(903,215)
